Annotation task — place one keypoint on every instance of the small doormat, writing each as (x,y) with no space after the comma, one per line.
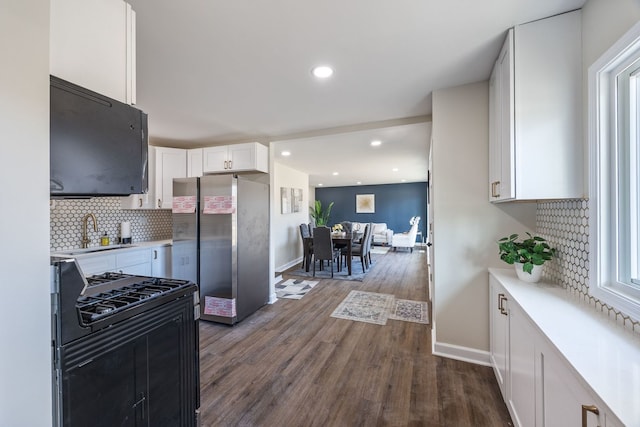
(294,288)
(380,250)
(410,311)
(369,307)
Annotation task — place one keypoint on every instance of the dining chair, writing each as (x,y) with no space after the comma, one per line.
(323,249)
(362,249)
(307,244)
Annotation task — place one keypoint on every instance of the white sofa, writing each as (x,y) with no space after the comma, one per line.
(408,239)
(381,234)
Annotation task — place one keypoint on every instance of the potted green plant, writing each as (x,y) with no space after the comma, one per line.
(527,255)
(321,217)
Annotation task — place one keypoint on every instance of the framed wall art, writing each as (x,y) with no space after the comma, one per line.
(296,199)
(290,200)
(365,203)
(285,199)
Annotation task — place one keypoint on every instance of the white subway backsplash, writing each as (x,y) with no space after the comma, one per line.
(66,222)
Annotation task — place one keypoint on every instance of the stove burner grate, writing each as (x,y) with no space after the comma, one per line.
(104,304)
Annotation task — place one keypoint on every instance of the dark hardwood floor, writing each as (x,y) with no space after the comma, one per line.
(290,364)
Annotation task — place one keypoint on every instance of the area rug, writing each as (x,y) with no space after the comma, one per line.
(380,250)
(410,311)
(294,288)
(369,307)
(356,272)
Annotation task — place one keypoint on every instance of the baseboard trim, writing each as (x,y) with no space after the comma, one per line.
(272,296)
(464,354)
(288,265)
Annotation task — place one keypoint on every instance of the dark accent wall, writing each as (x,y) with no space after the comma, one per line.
(395,204)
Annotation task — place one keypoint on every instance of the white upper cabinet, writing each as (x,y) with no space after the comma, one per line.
(169,163)
(194,162)
(535,112)
(247,157)
(138,201)
(92,44)
(501,159)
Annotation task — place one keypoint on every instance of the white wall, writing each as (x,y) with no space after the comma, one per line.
(25,331)
(286,236)
(466,224)
(603,23)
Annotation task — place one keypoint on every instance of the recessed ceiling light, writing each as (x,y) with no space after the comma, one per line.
(320,185)
(376,143)
(322,71)
(404,180)
(359,182)
(335,174)
(395,169)
(286,153)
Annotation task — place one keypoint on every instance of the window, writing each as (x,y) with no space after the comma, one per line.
(614,195)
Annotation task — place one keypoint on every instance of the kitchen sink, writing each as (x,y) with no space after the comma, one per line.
(96,249)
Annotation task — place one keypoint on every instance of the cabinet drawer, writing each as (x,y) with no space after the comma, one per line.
(143,269)
(97,265)
(133,258)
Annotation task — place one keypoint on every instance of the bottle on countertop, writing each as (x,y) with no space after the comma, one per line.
(104,240)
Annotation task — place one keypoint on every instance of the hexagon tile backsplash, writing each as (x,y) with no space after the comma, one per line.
(66,222)
(565,224)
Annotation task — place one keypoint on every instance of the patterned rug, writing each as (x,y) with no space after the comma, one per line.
(372,307)
(410,311)
(369,307)
(294,288)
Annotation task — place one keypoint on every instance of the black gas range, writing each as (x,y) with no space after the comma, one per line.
(125,349)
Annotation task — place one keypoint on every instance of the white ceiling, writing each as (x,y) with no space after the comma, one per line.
(212,72)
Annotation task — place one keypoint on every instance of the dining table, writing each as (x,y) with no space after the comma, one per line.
(345,239)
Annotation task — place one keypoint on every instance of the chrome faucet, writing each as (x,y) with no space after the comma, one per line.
(85,238)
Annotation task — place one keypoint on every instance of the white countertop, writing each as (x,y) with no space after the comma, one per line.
(603,353)
(103,250)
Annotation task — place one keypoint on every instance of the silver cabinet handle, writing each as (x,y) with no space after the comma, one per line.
(140,202)
(230,164)
(155,254)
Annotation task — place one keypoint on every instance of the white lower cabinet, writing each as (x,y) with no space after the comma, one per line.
(512,355)
(136,262)
(563,398)
(130,261)
(521,379)
(97,264)
(161,261)
(540,387)
(499,334)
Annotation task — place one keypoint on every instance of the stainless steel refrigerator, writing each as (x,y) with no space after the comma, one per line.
(221,242)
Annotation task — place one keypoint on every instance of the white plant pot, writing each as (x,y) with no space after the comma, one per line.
(535,275)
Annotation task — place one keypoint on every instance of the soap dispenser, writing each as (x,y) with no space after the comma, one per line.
(104,240)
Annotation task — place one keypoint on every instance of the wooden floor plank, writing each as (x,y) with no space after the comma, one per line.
(291,364)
